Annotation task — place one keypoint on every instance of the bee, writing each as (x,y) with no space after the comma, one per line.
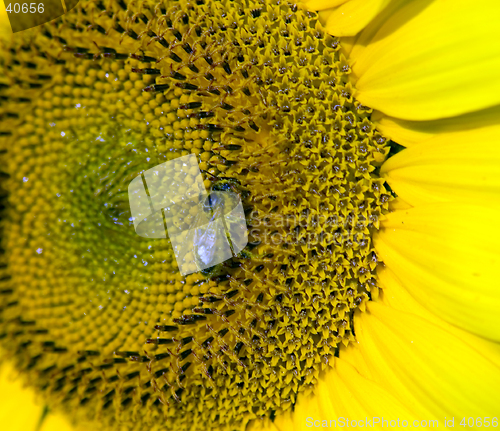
(224,184)
(220,230)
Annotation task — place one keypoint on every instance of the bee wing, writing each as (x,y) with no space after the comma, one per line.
(210,244)
(235,222)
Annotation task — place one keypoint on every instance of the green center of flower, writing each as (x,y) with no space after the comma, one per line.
(101,319)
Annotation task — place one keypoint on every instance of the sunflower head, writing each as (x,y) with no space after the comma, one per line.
(99,318)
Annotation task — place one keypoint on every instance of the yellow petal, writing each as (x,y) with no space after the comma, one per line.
(447,255)
(449,167)
(426,366)
(350,18)
(322,4)
(395,295)
(18,409)
(399,204)
(325,7)
(5,29)
(405,133)
(430,59)
(261,425)
(342,394)
(351,395)
(348,43)
(57,422)
(409,133)
(306,406)
(292,420)
(384,374)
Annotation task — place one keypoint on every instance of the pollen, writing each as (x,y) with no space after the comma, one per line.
(99,319)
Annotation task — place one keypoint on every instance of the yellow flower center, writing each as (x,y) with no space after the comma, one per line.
(99,318)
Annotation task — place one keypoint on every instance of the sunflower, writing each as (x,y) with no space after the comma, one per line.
(360,136)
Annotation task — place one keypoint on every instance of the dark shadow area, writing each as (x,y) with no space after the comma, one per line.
(25,14)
